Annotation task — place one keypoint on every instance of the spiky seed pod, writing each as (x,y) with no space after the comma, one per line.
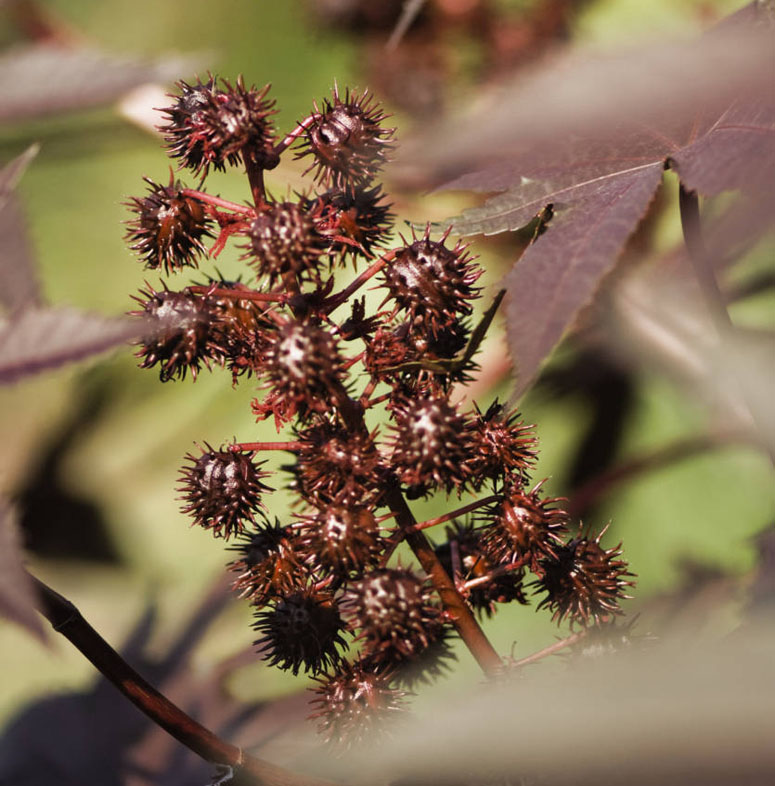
(463,555)
(346,140)
(501,447)
(584,582)
(428,442)
(431,282)
(284,240)
(211,126)
(525,528)
(430,663)
(303,367)
(342,539)
(301,631)
(608,638)
(267,564)
(221,490)
(392,610)
(355,702)
(169,227)
(181,339)
(354,220)
(336,463)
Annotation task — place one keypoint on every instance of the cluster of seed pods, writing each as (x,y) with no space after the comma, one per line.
(330,598)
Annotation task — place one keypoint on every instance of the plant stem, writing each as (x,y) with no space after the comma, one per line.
(240,294)
(246,446)
(290,138)
(458,612)
(453,514)
(336,300)
(67,620)
(550,650)
(215,201)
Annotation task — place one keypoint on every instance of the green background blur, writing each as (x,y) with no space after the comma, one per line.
(126,454)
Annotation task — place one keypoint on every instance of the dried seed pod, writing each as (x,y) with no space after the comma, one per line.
(169,227)
(346,140)
(428,664)
(428,442)
(221,490)
(525,527)
(284,240)
(212,126)
(433,283)
(301,631)
(584,582)
(500,447)
(267,565)
(181,341)
(342,539)
(391,607)
(304,368)
(355,702)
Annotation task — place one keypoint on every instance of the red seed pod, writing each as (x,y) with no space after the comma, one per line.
(180,339)
(303,367)
(284,240)
(267,564)
(342,539)
(221,490)
(212,126)
(428,664)
(428,442)
(500,447)
(391,608)
(584,582)
(525,528)
(355,702)
(431,282)
(334,463)
(169,227)
(354,220)
(301,631)
(346,140)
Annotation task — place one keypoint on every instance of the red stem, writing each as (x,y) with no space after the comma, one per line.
(241,294)
(251,446)
(336,300)
(290,138)
(215,201)
(550,650)
(453,514)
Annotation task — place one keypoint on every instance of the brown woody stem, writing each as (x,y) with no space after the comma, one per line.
(453,602)
(250,446)
(67,620)
(240,294)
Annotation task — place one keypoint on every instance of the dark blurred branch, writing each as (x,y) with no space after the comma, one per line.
(67,620)
(698,254)
(588,494)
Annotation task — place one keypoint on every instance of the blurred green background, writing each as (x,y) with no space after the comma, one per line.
(112,437)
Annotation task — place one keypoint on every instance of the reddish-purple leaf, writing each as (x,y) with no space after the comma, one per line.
(11,173)
(560,273)
(17,599)
(19,284)
(40,339)
(738,152)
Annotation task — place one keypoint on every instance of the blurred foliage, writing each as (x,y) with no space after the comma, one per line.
(131,432)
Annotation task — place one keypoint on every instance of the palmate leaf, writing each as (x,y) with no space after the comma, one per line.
(591,141)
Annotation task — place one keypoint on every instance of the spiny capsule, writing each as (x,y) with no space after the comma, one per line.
(169,227)
(301,631)
(346,140)
(221,490)
(432,283)
(584,581)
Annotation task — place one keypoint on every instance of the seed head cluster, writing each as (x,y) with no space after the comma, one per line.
(329,597)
